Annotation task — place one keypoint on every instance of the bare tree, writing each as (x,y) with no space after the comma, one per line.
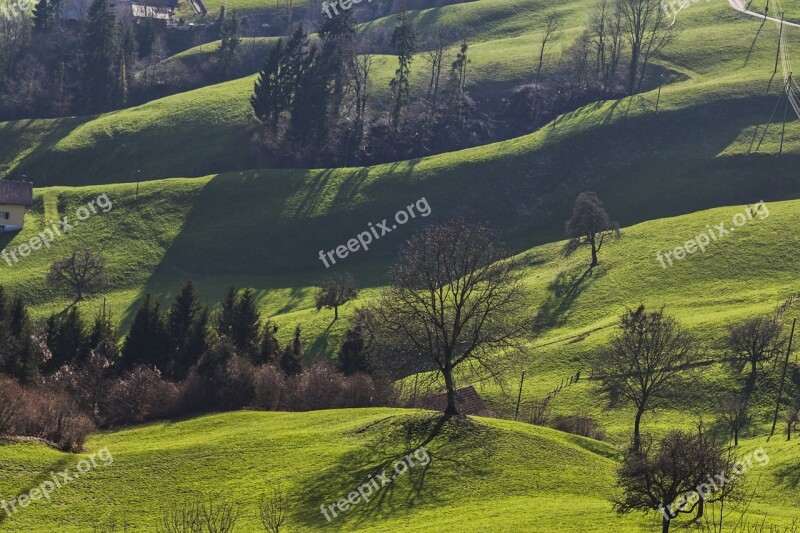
(753,343)
(434,57)
(661,479)
(273,509)
(643,361)
(605,28)
(552,24)
(452,299)
(589,226)
(209,514)
(81,272)
(648,31)
(334,292)
(732,410)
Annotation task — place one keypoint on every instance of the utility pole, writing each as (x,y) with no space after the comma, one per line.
(519,396)
(658,99)
(783,377)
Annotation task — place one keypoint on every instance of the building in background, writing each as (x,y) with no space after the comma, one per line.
(15,198)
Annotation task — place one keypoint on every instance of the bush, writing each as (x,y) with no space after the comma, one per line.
(581,424)
(43,413)
(139,396)
(270,388)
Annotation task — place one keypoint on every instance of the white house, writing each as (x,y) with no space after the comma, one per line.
(15,198)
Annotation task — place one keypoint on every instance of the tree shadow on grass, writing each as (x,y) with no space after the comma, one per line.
(788,474)
(45,475)
(450,444)
(564,290)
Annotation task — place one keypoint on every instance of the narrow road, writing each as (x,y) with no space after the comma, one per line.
(739,5)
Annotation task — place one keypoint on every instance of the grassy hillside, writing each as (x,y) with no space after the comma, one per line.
(208,130)
(483,474)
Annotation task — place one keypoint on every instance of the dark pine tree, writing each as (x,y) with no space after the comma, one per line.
(292,358)
(100,56)
(268,100)
(66,340)
(147,342)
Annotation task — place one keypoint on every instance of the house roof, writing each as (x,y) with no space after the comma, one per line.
(468,402)
(16,192)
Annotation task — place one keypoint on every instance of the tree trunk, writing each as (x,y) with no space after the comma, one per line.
(735,437)
(335,312)
(634,69)
(595,262)
(700,508)
(636,433)
(664,525)
(451,391)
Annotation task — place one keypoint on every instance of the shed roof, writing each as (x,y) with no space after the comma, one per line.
(16,192)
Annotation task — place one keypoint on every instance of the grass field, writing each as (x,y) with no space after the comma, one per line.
(492,475)
(190,201)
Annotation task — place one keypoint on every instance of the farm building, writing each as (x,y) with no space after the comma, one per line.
(15,198)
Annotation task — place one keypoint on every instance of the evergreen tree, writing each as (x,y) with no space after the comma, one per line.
(230,37)
(292,359)
(102,336)
(181,318)
(309,105)
(226,318)
(100,57)
(353,354)
(268,100)
(196,342)
(270,347)
(42,16)
(66,340)
(338,36)
(147,342)
(404,40)
(24,364)
(247,325)
(239,321)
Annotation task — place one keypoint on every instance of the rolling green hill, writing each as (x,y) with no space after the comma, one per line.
(483,474)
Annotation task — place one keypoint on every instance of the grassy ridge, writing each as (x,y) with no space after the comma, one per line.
(490,475)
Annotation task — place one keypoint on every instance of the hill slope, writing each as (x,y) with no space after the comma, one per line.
(483,474)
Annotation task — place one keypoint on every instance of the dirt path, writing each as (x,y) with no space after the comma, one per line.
(739,5)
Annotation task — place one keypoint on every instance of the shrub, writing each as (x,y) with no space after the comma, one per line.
(139,396)
(270,388)
(581,424)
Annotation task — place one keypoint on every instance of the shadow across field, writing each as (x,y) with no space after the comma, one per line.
(450,446)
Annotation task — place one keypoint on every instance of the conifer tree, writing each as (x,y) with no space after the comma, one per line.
(147,342)
(404,40)
(100,55)
(268,100)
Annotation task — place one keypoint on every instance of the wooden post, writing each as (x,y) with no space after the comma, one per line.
(783,377)
(519,396)
(658,98)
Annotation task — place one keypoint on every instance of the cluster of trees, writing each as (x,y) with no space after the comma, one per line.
(609,59)
(314,99)
(648,365)
(183,360)
(52,66)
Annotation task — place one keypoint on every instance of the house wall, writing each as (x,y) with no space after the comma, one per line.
(16,217)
